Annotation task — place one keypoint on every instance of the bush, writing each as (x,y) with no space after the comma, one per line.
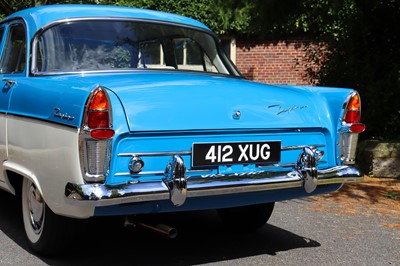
(368,59)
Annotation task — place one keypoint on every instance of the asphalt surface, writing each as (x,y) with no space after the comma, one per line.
(295,235)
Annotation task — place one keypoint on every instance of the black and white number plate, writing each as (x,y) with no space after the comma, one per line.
(211,154)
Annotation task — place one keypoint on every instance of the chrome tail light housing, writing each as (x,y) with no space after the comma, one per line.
(350,128)
(95,138)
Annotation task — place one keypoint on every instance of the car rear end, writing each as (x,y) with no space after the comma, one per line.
(225,150)
(142,112)
(169,119)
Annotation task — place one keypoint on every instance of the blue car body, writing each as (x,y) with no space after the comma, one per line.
(170,135)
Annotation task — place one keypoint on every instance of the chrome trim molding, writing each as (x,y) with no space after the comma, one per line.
(300,147)
(144,154)
(9,83)
(204,185)
(172,153)
(348,146)
(158,173)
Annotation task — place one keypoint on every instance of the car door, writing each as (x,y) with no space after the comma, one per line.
(12,68)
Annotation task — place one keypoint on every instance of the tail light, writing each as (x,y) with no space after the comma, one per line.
(98,115)
(350,128)
(96,135)
(352,114)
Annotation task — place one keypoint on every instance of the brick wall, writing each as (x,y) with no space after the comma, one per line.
(272,62)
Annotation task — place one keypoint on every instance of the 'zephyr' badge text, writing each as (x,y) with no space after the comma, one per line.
(57,113)
(279,109)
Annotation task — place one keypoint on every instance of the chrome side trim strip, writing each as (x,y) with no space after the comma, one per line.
(159,173)
(300,147)
(203,185)
(143,154)
(172,153)
(140,174)
(283,165)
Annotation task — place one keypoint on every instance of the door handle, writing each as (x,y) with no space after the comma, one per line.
(9,83)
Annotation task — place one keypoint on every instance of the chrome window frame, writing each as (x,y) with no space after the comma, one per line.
(7,25)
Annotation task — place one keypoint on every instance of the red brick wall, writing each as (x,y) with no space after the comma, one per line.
(272,62)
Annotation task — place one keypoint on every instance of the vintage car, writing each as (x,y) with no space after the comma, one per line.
(115,111)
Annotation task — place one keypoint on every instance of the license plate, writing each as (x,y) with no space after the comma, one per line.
(213,154)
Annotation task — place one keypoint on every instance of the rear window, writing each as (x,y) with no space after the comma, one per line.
(101,45)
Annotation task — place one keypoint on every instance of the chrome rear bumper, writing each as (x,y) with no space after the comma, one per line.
(175,186)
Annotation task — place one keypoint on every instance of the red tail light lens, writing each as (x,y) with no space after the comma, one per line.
(352,116)
(102,133)
(98,119)
(357,128)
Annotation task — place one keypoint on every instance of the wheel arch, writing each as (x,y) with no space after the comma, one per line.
(15,174)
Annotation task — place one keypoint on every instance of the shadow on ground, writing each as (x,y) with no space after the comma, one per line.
(201,239)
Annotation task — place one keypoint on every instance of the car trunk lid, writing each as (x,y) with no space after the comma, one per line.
(155,101)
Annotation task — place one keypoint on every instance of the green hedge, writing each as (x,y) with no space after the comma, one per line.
(362,37)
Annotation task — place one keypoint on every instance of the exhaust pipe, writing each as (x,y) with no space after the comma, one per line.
(162,229)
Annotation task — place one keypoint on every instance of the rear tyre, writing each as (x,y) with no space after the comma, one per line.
(46,232)
(246,218)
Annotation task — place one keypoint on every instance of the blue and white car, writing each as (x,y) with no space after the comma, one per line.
(114,111)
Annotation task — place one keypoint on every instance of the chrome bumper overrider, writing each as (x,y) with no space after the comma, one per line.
(175,186)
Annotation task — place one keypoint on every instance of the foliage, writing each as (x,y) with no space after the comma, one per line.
(361,47)
(361,41)
(367,58)
(8,7)
(201,10)
(282,18)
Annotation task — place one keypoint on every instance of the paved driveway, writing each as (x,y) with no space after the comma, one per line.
(297,234)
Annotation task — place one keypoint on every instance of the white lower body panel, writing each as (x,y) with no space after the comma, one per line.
(48,154)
